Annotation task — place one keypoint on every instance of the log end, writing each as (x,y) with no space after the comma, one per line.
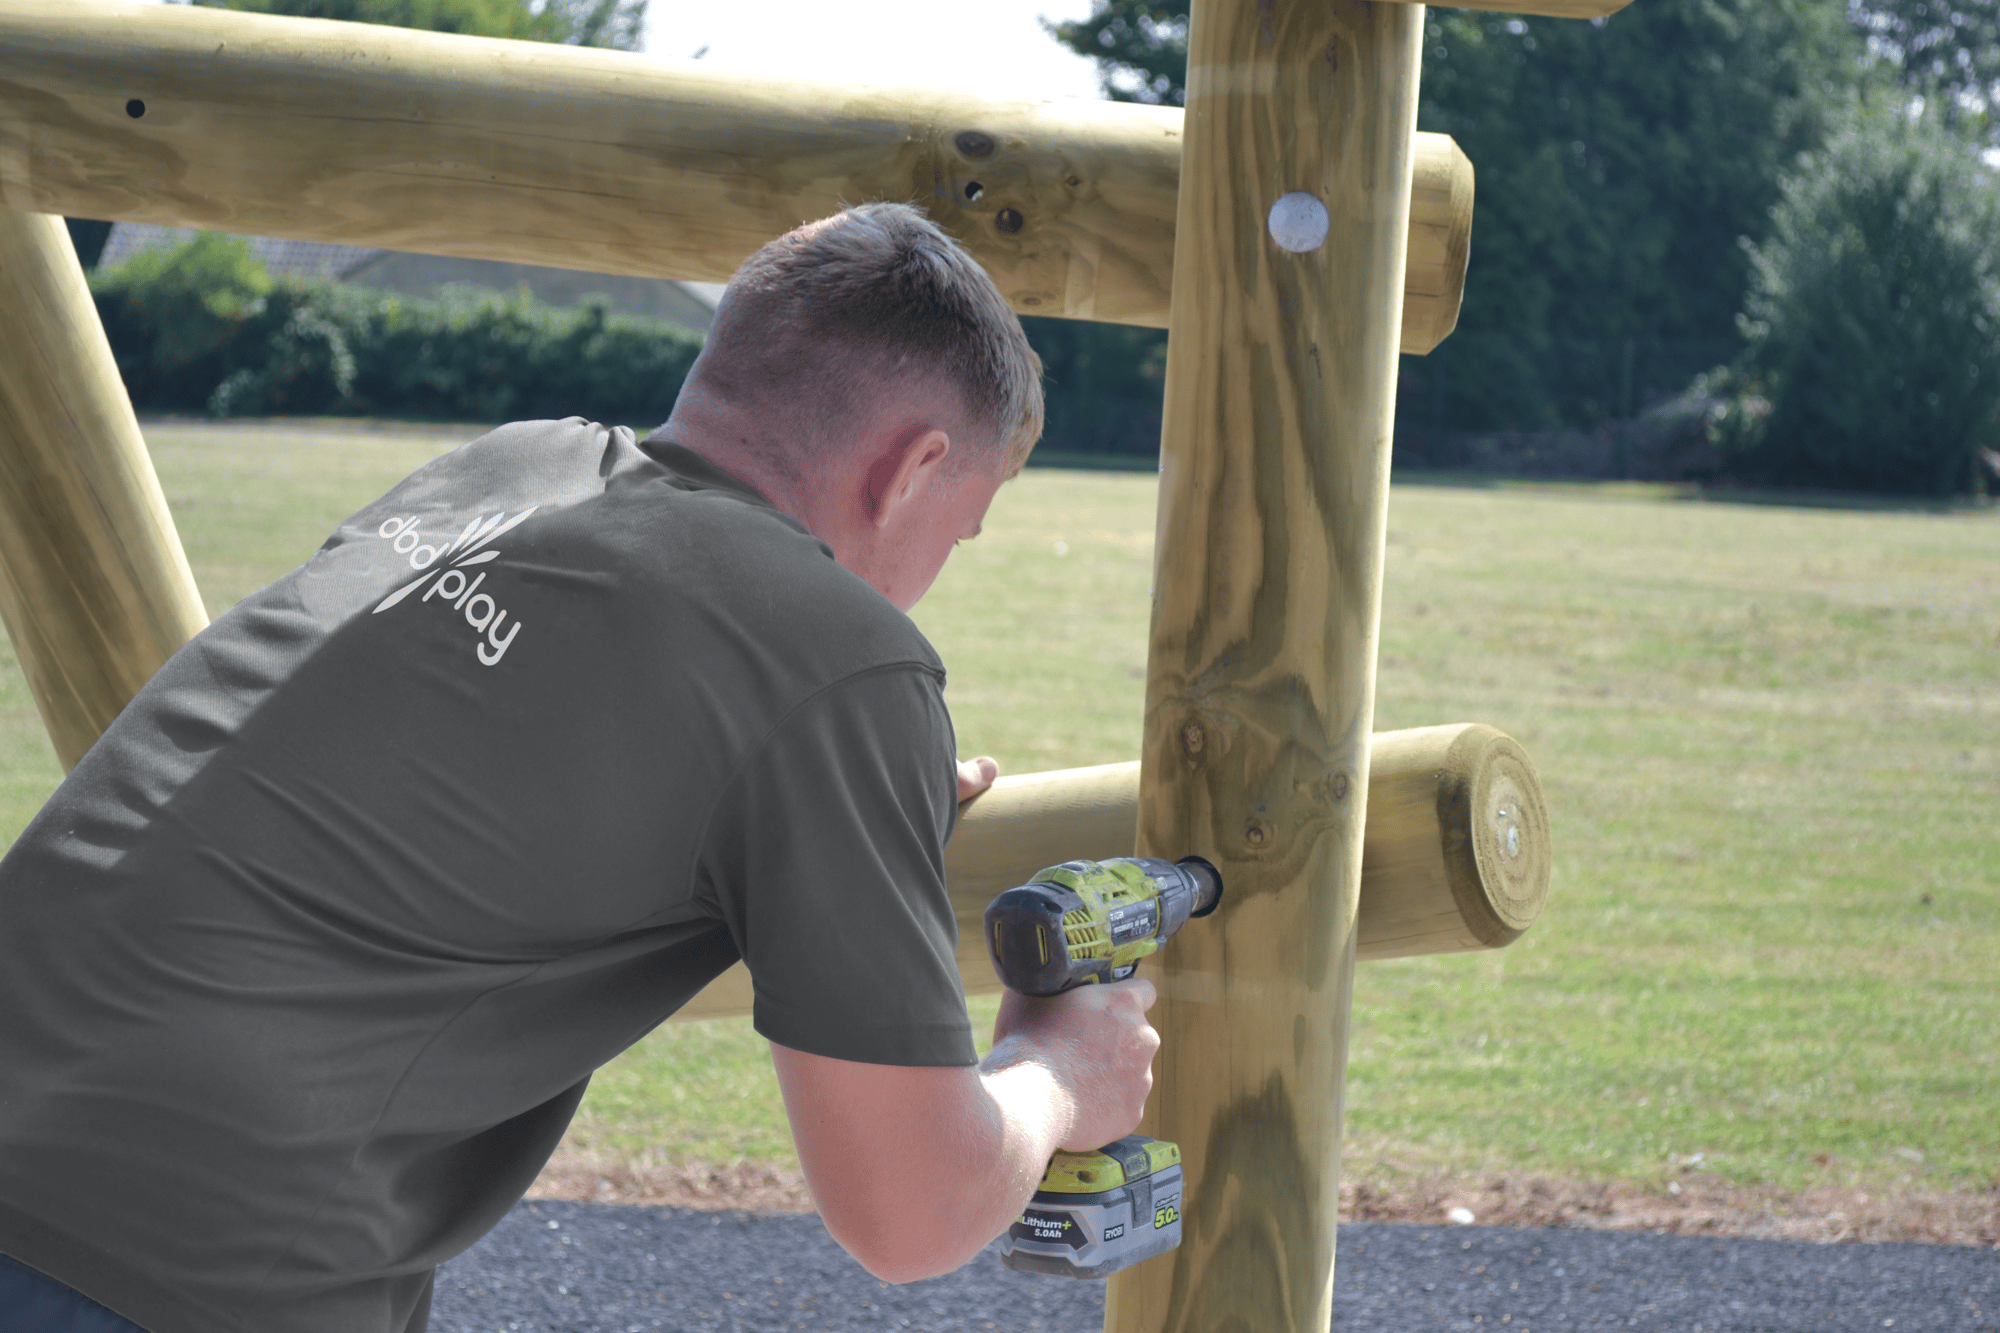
(1440,244)
(1490,800)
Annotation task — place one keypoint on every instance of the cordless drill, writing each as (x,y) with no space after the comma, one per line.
(1078,924)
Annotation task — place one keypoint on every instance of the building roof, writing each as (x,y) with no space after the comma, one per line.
(283,259)
(369,265)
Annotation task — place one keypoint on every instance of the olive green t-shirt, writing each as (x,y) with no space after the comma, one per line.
(305,968)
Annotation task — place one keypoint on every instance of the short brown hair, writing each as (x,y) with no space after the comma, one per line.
(875,292)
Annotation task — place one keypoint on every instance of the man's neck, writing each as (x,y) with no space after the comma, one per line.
(723,449)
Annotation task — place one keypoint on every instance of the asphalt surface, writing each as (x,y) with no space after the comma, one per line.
(600,1268)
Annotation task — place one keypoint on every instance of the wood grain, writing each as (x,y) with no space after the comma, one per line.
(1430,881)
(599,160)
(1280,393)
(94,588)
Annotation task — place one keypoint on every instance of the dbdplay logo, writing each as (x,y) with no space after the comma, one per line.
(451,583)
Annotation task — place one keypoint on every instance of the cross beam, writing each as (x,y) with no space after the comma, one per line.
(600,160)
(1456,857)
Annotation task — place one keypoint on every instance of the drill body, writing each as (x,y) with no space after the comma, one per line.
(1079,924)
(1084,922)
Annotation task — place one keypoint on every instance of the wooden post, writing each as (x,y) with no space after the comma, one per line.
(94,588)
(601,160)
(1456,856)
(1281,376)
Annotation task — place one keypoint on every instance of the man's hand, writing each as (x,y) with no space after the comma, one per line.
(916,1169)
(1099,1037)
(976,775)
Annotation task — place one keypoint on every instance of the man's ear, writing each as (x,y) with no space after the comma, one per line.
(901,469)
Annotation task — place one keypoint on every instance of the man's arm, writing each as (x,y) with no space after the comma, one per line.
(915,1169)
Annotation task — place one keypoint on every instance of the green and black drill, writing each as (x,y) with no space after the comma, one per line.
(1078,924)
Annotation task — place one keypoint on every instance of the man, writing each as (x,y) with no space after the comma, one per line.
(305,968)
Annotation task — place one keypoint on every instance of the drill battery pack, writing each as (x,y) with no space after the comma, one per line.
(1098,1212)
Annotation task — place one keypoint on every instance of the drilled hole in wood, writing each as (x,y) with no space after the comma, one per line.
(1008,220)
(135,108)
(973,189)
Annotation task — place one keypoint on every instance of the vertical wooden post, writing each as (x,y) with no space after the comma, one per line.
(1281,376)
(94,588)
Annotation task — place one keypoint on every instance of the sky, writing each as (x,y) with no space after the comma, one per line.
(994,49)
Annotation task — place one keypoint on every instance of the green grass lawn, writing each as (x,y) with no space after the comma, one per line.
(1770,738)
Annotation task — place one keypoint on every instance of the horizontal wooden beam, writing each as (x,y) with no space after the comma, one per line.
(1456,856)
(600,160)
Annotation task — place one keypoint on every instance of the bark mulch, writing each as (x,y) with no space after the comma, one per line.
(1704,1207)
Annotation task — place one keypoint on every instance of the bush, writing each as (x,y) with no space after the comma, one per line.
(203,328)
(179,319)
(1874,318)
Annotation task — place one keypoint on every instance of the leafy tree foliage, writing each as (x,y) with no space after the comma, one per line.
(1947,52)
(613,23)
(1140,47)
(1618,163)
(1874,361)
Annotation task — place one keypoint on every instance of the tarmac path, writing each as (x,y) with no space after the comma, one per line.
(557,1267)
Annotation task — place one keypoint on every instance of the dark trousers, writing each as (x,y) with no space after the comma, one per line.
(33,1302)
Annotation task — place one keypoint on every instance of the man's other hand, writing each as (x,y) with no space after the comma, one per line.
(976,775)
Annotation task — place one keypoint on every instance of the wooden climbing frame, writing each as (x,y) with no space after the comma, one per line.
(1290,228)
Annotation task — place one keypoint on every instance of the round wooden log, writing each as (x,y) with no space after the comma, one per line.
(534,153)
(1440,244)
(94,588)
(1456,855)
(1280,398)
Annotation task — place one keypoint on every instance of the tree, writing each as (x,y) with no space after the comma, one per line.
(619,24)
(1947,52)
(1140,47)
(1618,162)
(1874,316)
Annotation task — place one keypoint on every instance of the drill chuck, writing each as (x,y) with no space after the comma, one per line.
(1085,922)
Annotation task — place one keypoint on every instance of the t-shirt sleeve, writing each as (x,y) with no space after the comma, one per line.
(826,858)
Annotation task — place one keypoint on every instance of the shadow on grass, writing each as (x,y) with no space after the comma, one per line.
(1688,492)
(1094,462)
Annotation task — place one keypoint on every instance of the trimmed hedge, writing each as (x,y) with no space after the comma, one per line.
(203,328)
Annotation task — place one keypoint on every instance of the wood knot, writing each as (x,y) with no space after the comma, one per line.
(1340,786)
(1254,834)
(1192,739)
(975,144)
